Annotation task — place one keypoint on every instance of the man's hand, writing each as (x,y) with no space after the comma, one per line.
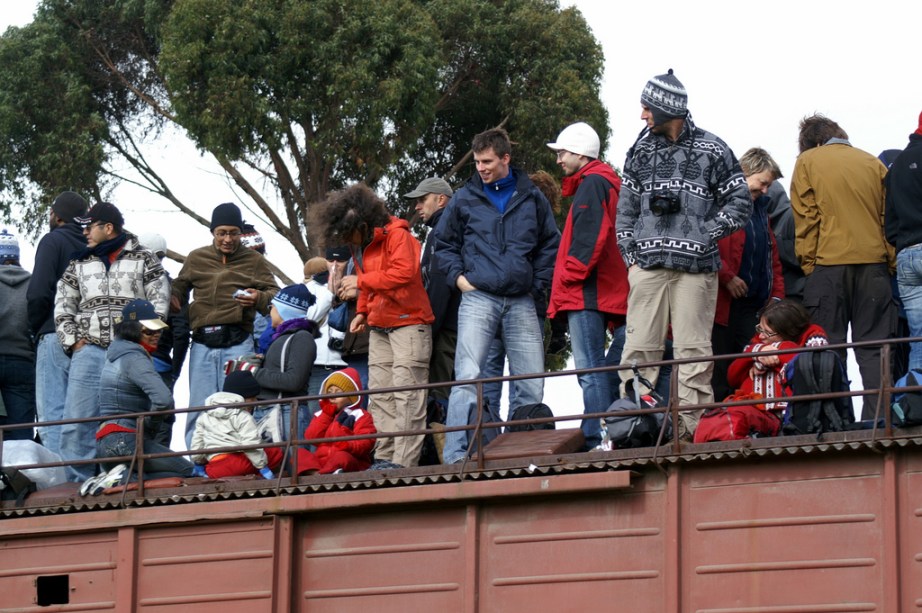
(737,287)
(464,285)
(77,346)
(349,287)
(248,299)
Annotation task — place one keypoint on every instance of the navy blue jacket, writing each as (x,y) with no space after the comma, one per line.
(52,256)
(508,254)
(903,213)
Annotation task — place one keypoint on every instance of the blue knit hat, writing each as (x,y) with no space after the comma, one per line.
(292,302)
(9,246)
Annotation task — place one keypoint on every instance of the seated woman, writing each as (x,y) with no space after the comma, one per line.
(129,383)
(783,324)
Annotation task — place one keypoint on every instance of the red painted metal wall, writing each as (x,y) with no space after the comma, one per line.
(810,532)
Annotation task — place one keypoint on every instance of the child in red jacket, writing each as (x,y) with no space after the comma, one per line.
(341,416)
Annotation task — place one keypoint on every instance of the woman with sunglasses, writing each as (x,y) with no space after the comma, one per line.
(130,384)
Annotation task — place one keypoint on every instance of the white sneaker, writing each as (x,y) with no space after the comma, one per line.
(90,483)
(109,479)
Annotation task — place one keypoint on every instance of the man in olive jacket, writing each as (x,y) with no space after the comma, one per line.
(229,284)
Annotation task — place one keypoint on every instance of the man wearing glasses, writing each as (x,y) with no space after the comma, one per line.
(99,281)
(229,284)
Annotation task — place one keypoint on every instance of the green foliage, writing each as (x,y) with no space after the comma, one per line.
(306,96)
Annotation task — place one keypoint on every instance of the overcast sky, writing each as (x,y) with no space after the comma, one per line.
(752,71)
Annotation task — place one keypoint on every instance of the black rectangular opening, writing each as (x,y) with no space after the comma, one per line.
(52,589)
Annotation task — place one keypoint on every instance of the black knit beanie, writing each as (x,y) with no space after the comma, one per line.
(227,214)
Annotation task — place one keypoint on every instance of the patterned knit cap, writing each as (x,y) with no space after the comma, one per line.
(293,302)
(666,97)
(9,246)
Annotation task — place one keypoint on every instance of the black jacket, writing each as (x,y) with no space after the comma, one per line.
(903,213)
(443,297)
(52,256)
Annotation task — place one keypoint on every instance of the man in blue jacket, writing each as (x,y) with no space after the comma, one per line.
(497,242)
(52,365)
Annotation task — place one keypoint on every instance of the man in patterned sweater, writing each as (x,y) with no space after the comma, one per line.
(682,191)
(112,271)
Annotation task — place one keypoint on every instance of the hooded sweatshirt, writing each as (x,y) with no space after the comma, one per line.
(15,339)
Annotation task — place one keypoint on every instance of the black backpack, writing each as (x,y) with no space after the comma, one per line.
(817,372)
(630,431)
(16,485)
(907,407)
(531,411)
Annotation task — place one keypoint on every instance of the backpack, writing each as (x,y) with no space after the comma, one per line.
(531,411)
(15,485)
(630,431)
(736,422)
(817,372)
(907,406)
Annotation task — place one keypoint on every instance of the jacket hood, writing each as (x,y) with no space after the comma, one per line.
(221,398)
(120,348)
(352,375)
(13,275)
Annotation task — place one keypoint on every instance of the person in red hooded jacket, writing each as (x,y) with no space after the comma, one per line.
(341,416)
(590,279)
(393,304)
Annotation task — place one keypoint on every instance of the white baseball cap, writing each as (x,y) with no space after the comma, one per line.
(578,138)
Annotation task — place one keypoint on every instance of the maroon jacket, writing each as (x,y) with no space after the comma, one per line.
(589,272)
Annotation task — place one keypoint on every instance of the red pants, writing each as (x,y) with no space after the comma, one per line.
(328,460)
(237,464)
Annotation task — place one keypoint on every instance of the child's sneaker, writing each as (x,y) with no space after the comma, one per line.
(90,483)
(109,479)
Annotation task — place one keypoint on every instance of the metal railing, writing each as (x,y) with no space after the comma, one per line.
(136,461)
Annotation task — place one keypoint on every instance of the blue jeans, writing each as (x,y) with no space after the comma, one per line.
(51,369)
(909,277)
(587,338)
(78,440)
(206,376)
(123,444)
(480,316)
(17,380)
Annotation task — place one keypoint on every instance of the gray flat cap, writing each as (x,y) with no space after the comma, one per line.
(432,185)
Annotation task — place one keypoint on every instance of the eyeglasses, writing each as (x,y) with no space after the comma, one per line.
(95,224)
(147,332)
(764,332)
(221,234)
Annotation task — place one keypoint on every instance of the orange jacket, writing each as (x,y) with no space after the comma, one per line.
(391,292)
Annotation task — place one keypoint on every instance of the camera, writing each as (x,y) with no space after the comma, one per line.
(664,202)
(336,344)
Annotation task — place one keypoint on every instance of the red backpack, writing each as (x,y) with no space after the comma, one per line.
(737,422)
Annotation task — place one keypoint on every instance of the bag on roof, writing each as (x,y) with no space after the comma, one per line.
(737,422)
(630,431)
(536,410)
(907,406)
(817,372)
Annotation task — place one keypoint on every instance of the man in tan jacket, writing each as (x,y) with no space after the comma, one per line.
(837,197)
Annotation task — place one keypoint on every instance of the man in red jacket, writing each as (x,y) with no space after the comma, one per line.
(590,280)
